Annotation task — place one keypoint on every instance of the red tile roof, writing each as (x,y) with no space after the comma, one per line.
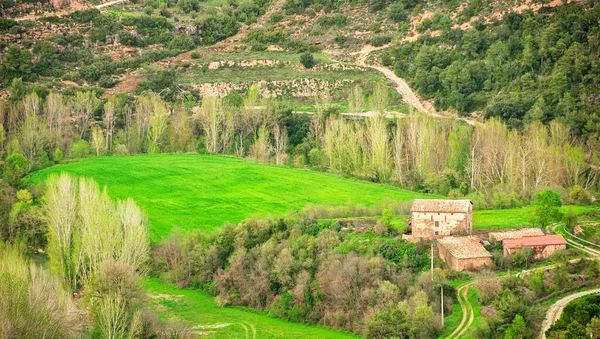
(544,240)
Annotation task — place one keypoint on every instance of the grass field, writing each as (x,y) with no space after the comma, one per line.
(199,310)
(517,217)
(204,192)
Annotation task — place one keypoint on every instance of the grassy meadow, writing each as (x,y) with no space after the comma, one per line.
(199,309)
(204,192)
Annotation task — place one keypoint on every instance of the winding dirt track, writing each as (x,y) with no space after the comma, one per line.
(67,11)
(557,308)
(402,87)
(467,311)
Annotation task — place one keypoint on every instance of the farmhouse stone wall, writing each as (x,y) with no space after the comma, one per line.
(458,264)
(429,225)
(539,252)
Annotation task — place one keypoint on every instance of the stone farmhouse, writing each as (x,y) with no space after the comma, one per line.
(463,253)
(432,218)
(543,246)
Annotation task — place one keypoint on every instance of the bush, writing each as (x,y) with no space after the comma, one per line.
(79,149)
(396,12)
(338,20)
(307,60)
(15,167)
(275,18)
(379,40)
(578,195)
(340,39)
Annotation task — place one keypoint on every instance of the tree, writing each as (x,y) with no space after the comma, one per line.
(261,148)
(86,229)
(16,63)
(83,105)
(593,328)
(98,142)
(158,124)
(15,167)
(109,120)
(396,12)
(518,329)
(307,60)
(547,208)
(33,137)
(356,101)
(379,100)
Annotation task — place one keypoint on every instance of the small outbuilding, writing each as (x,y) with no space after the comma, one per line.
(515,234)
(543,246)
(433,218)
(463,253)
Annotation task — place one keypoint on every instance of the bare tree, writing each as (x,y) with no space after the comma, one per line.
(109,120)
(98,141)
(356,100)
(83,105)
(280,137)
(379,100)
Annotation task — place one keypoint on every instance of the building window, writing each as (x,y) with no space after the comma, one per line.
(437,224)
(437,233)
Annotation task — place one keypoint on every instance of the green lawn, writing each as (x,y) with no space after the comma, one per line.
(517,217)
(198,309)
(204,192)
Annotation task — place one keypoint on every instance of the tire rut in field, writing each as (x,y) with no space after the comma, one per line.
(245,330)
(253,329)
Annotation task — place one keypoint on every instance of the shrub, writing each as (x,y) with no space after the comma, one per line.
(307,60)
(15,167)
(338,20)
(578,195)
(275,18)
(396,12)
(340,39)
(79,149)
(379,40)
(195,55)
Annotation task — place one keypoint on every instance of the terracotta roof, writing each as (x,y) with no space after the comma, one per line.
(515,234)
(544,240)
(437,205)
(464,247)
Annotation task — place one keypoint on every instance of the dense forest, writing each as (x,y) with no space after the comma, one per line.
(521,69)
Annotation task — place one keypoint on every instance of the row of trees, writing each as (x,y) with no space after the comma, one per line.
(492,163)
(98,252)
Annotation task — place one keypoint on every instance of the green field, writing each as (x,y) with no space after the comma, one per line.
(198,309)
(204,192)
(518,217)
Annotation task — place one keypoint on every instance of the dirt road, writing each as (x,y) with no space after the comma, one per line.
(402,87)
(60,13)
(557,308)
(467,311)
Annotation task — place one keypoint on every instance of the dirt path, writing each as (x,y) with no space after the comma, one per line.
(555,311)
(465,306)
(402,87)
(109,3)
(60,13)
